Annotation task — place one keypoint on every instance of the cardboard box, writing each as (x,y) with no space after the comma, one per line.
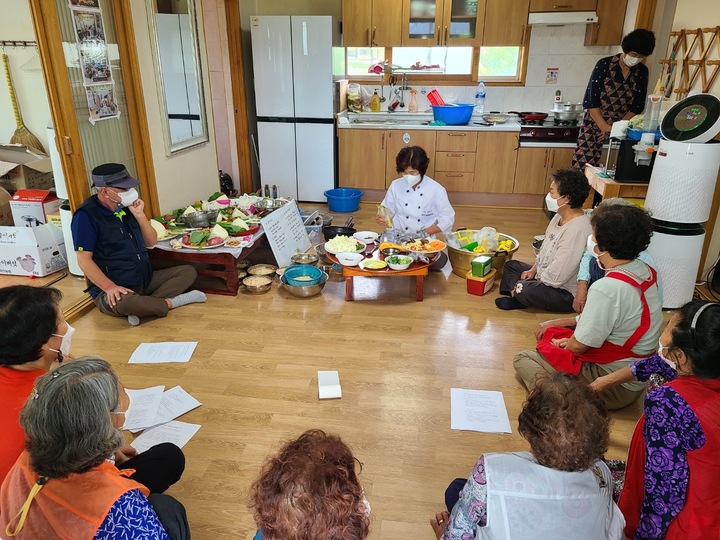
(54,219)
(23,168)
(5,211)
(30,207)
(32,251)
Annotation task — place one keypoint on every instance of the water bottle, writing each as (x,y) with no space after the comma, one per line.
(480,98)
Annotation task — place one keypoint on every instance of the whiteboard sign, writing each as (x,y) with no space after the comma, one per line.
(286,233)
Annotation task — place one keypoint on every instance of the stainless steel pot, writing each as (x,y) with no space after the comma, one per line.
(564,116)
(568,111)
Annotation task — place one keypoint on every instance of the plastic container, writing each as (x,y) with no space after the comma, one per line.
(480,266)
(375,102)
(302,275)
(343,199)
(453,115)
(480,98)
(461,260)
(480,286)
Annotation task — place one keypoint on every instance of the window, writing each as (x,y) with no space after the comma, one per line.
(464,65)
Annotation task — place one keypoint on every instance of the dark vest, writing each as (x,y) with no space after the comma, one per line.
(120,250)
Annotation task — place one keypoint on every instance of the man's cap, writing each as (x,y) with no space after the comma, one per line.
(113,175)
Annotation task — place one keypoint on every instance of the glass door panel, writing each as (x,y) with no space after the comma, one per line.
(422,21)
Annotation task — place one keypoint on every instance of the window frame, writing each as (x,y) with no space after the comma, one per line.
(457,80)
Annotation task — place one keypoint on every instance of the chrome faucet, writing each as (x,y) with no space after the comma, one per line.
(404,82)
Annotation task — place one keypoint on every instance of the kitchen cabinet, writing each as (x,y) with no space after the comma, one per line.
(427,23)
(505,23)
(562,5)
(372,23)
(362,158)
(495,160)
(609,28)
(455,159)
(396,139)
(535,165)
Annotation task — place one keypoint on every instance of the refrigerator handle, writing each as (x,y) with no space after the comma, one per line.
(304,38)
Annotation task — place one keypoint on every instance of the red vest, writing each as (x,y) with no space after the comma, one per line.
(700,515)
(70,508)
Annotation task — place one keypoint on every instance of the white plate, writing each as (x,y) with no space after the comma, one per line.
(170,236)
(366,261)
(204,247)
(362,249)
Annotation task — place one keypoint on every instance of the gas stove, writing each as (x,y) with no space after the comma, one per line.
(549,133)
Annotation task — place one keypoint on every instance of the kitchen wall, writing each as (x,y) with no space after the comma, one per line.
(191,174)
(16,24)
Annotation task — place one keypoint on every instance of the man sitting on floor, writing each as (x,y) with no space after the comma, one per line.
(112,235)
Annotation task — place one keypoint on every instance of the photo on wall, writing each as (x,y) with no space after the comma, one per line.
(85,3)
(101,102)
(92,48)
(88,26)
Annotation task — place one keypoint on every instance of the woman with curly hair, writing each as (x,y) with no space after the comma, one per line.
(621,320)
(310,491)
(551,282)
(672,477)
(560,489)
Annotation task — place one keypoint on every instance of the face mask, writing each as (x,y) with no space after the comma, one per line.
(366,505)
(666,360)
(591,245)
(411,179)
(128,414)
(630,61)
(65,343)
(128,197)
(552,204)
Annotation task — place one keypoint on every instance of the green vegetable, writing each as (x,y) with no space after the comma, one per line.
(214,196)
(198,238)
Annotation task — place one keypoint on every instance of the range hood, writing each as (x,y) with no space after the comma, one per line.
(562,17)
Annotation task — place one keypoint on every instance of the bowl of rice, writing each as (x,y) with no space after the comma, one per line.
(257,284)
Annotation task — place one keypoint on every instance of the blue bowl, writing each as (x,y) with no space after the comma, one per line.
(302,275)
(453,115)
(343,199)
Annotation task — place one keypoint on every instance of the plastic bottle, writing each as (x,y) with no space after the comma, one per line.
(413,101)
(480,98)
(375,102)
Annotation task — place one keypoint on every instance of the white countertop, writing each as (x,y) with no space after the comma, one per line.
(406,121)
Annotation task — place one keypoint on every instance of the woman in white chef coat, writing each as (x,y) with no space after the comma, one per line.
(418,205)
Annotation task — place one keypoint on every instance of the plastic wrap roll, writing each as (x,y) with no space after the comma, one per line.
(66,219)
(58,176)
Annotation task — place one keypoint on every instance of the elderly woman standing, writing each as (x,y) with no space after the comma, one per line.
(560,489)
(672,477)
(64,485)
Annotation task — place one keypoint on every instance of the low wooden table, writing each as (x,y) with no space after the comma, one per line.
(417,269)
(609,187)
(221,266)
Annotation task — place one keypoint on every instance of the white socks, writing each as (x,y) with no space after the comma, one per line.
(134,320)
(189,297)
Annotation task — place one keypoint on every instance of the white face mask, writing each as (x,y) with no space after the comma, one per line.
(591,245)
(552,203)
(666,360)
(412,179)
(128,197)
(65,343)
(630,61)
(127,413)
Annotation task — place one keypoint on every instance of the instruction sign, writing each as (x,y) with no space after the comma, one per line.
(286,233)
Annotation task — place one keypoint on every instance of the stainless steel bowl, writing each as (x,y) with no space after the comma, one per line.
(387,252)
(258,289)
(268,204)
(322,253)
(307,291)
(496,118)
(305,258)
(201,218)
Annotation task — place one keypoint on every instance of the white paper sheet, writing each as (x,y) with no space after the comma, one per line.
(145,405)
(329,385)
(178,433)
(174,403)
(168,351)
(478,410)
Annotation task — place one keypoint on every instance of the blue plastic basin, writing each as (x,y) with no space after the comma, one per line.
(302,275)
(343,199)
(453,115)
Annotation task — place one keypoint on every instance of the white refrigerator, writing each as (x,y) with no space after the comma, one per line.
(293,69)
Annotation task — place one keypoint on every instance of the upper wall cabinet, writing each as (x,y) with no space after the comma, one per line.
(442,22)
(609,28)
(505,23)
(562,5)
(372,23)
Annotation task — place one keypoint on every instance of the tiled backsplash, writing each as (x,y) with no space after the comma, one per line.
(550,47)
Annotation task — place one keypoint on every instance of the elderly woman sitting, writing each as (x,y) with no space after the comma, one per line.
(310,491)
(560,489)
(65,485)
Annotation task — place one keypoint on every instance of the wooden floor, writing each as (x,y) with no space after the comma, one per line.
(255,371)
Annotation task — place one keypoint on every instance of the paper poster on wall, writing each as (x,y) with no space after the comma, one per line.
(101,102)
(551,75)
(85,3)
(90,33)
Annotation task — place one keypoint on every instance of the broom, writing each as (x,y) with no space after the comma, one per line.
(22,135)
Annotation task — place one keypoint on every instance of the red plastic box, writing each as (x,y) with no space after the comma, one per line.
(480,286)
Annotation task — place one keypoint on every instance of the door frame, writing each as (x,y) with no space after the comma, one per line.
(57,85)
